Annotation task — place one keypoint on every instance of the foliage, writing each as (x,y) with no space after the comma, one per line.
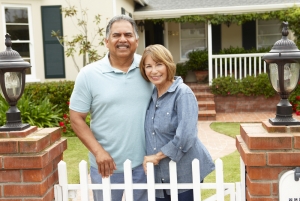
(198,60)
(82,42)
(291,15)
(230,129)
(41,114)
(294,99)
(58,93)
(249,86)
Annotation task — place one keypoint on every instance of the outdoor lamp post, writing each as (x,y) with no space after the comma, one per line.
(283,71)
(12,82)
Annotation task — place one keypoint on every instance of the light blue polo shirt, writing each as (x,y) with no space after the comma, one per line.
(117,102)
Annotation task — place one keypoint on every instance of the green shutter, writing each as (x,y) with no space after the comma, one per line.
(249,35)
(53,52)
(216,38)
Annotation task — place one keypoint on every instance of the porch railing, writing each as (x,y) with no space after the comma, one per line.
(237,65)
(64,191)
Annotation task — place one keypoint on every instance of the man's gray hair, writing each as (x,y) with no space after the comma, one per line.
(119,18)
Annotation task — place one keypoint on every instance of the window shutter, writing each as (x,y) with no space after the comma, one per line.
(122,11)
(53,52)
(216,38)
(249,35)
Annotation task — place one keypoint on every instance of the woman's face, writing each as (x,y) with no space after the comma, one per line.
(155,71)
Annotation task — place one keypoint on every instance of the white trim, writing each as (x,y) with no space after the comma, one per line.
(140,15)
(114,7)
(209,49)
(32,77)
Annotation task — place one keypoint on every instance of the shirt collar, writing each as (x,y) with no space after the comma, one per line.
(107,68)
(178,81)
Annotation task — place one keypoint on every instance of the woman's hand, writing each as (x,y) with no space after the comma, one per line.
(152,159)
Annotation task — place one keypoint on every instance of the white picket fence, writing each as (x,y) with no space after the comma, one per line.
(63,191)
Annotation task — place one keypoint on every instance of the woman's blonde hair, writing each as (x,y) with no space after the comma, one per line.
(159,54)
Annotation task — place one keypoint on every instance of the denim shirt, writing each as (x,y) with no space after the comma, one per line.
(171,127)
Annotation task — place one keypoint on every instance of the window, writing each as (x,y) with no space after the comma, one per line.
(192,37)
(268,32)
(17,21)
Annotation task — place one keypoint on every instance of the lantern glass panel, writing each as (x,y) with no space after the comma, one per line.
(13,85)
(274,76)
(290,77)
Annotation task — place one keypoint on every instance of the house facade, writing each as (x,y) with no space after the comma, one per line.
(30,23)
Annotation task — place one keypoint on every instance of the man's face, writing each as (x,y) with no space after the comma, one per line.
(122,42)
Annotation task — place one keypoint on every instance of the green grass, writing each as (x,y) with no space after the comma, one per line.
(75,153)
(231,162)
(230,129)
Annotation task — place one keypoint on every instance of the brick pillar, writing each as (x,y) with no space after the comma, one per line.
(267,151)
(28,162)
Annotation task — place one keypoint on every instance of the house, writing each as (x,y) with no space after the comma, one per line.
(30,23)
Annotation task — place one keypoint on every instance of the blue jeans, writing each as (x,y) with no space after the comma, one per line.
(138,176)
(185,196)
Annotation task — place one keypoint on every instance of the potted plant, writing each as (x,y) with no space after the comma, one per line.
(197,65)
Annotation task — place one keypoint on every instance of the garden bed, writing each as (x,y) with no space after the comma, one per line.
(242,103)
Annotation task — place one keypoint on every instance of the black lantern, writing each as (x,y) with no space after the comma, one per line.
(12,81)
(283,71)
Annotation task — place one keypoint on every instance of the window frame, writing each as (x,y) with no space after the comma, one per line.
(30,77)
(180,39)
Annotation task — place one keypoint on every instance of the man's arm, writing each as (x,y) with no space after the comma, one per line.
(106,164)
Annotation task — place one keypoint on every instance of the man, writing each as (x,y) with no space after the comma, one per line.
(117,96)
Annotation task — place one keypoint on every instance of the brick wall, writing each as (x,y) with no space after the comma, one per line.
(28,163)
(241,103)
(267,151)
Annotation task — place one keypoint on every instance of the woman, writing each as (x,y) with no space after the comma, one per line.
(171,124)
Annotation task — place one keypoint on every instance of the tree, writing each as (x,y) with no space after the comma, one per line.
(82,43)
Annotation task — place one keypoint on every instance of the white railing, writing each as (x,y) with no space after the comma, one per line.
(237,65)
(64,191)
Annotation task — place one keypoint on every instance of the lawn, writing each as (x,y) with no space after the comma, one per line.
(76,152)
(231,162)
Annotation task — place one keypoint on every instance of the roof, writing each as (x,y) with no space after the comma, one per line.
(156,9)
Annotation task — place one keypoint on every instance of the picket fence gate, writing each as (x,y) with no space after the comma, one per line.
(63,191)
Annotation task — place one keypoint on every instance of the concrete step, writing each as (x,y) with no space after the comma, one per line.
(206,105)
(207,115)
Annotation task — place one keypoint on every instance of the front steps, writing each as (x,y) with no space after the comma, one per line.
(206,103)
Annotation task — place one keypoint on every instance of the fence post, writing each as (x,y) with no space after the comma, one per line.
(196,180)
(243,179)
(173,181)
(219,180)
(106,189)
(128,180)
(83,173)
(150,182)
(63,179)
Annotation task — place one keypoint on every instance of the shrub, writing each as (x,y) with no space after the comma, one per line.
(58,93)
(42,114)
(295,99)
(249,86)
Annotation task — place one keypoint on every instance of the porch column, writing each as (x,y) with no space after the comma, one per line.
(209,48)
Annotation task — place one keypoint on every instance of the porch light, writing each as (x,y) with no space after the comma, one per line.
(12,83)
(283,71)
(141,25)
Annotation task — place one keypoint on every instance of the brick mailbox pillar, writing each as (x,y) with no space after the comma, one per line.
(267,151)
(28,162)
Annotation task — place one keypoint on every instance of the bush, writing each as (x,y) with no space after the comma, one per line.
(249,86)
(42,114)
(58,93)
(295,99)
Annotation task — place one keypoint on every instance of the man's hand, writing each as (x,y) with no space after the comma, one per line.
(106,164)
